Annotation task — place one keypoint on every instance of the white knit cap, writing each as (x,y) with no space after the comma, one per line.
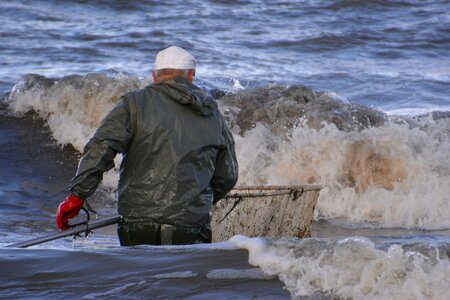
(174,58)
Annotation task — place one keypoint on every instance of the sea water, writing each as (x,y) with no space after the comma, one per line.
(352,95)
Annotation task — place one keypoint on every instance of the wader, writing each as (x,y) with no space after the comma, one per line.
(178,160)
(152,233)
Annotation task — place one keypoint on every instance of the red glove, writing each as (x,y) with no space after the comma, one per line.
(68,209)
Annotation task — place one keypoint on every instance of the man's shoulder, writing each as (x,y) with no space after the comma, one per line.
(136,93)
(137,96)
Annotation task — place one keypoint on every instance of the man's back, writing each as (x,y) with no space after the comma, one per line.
(172,157)
(178,154)
(178,158)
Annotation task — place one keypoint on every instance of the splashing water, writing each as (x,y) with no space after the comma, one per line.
(377,171)
(350,268)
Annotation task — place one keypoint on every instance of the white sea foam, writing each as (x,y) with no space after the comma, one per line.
(351,268)
(416,111)
(389,176)
(73,106)
(394,175)
(254,273)
(186,274)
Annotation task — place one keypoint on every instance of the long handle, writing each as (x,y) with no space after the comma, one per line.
(61,234)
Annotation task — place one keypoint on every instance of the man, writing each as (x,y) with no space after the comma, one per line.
(178,158)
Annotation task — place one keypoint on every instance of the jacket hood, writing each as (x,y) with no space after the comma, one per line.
(186,93)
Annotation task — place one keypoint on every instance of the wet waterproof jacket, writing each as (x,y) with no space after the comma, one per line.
(178,155)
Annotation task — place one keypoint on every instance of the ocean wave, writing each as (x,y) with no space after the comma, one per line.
(353,268)
(377,170)
(73,105)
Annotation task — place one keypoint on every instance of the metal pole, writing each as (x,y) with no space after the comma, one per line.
(61,234)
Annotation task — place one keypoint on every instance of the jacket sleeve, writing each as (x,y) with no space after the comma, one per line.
(112,137)
(226,172)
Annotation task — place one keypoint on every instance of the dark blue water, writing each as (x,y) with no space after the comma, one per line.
(390,54)
(388,183)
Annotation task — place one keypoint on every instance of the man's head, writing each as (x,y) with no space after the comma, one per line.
(174,62)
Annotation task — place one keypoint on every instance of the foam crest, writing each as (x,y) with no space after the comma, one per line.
(388,176)
(352,268)
(73,105)
(377,170)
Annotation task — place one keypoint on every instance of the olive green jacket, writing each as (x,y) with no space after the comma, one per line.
(178,154)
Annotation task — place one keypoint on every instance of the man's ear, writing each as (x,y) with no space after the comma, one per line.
(191,74)
(155,79)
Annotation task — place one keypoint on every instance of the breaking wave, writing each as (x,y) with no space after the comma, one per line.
(353,268)
(377,170)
